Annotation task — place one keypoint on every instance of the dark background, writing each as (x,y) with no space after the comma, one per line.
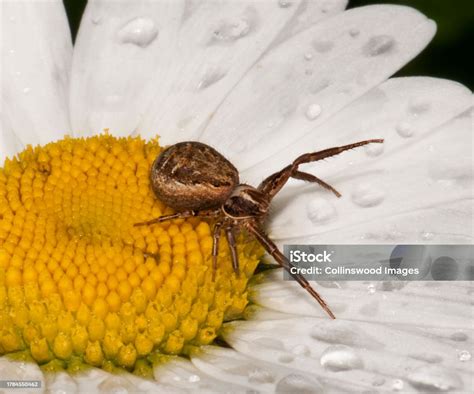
(449,55)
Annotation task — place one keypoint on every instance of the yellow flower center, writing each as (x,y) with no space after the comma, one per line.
(80,285)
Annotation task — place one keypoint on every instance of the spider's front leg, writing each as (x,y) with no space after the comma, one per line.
(273,250)
(180,215)
(272,185)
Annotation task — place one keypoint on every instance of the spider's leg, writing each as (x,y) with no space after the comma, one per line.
(271,185)
(216,235)
(233,249)
(272,249)
(179,215)
(324,154)
(304,176)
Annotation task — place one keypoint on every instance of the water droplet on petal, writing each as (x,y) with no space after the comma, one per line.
(296,383)
(194,378)
(434,378)
(418,107)
(366,195)
(374,150)
(285,3)
(397,385)
(285,358)
(260,376)
(464,355)
(426,236)
(139,31)
(405,129)
(270,343)
(378,45)
(322,46)
(319,85)
(26,90)
(459,336)
(313,111)
(340,358)
(320,210)
(308,56)
(354,32)
(371,288)
(301,350)
(210,77)
(427,357)
(232,30)
(378,382)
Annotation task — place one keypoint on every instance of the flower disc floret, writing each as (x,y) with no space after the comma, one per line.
(79,284)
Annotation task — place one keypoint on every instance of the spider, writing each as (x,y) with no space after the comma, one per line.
(196,180)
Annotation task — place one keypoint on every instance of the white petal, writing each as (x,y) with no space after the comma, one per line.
(121,47)
(248,371)
(415,189)
(122,71)
(354,355)
(409,303)
(182,374)
(299,84)
(9,142)
(21,371)
(61,383)
(36,53)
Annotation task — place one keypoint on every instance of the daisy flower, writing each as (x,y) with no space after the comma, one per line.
(89,303)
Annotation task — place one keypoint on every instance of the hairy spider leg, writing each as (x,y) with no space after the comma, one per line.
(304,176)
(180,215)
(216,235)
(233,249)
(280,258)
(271,185)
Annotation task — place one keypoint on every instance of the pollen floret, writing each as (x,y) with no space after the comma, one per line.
(80,285)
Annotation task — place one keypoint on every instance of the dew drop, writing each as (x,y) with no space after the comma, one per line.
(434,378)
(340,358)
(322,46)
(308,56)
(464,355)
(374,150)
(458,336)
(260,376)
(371,288)
(313,111)
(296,383)
(378,45)
(405,130)
(354,32)
(397,385)
(284,3)
(426,236)
(378,382)
(319,210)
(194,378)
(139,31)
(270,343)
(340,332)
(319,85)
(418,107)
(366,195)
(285,358)
(210,77)
(301,350)
(26,90)
(232,30)
(427,357)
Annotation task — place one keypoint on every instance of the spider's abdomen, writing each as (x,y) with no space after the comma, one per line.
(193,176)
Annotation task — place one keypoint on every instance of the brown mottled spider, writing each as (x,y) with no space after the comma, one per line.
(196,180)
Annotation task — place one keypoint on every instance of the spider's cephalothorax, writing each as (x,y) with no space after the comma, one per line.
(196,180)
